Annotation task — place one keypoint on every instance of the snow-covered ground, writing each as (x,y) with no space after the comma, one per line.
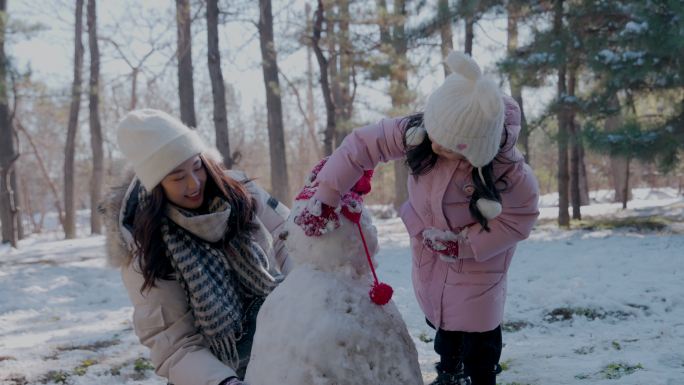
(601,307)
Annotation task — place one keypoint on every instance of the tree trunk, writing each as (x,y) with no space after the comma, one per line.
(583,181)
(8,154)
(310,111)
(333,67)
(217,86)
(399,94)
(276,134)
(574,151)
(394,44)
(563,174)
(618,164)
(72,128)
(97,179)
(446,43)
(186,91)
(516,85)
(134,88)
(330,126)
(346,101)
(625,187)
(469,34)
(29,210)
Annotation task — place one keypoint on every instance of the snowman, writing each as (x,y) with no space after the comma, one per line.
(320,325)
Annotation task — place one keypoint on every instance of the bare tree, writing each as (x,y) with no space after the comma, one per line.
(619,164)
(344,79)
(218,89)
(330,126)
(395,44)
(276,134)
(186,91)
(446,36)
(96,181)
(563,123)
(43,170)
(573,134)
(122,38)
(72,128)
(310,112)
(9,194)
(514,14)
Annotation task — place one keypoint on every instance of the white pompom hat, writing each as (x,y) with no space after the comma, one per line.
(155,142)
(465,115)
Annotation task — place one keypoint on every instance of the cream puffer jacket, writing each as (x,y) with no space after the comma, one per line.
(162,319)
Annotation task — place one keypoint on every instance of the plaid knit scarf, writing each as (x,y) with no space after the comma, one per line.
(220,283)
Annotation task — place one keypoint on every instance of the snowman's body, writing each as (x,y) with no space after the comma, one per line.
(319,326)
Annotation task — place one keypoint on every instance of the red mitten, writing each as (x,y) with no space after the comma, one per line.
(317,219)
(363,185)
(444,243)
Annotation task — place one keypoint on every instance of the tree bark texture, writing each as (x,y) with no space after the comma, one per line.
(218,90)
(72,129)
(276,134)
(96,141)
(9,207)
(446,36)
(563,172)
(330,125)
(619,165)
(516,86)
(186,92)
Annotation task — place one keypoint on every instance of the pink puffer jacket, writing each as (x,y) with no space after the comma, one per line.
(469,294)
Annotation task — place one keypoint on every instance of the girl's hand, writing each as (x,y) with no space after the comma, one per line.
(444,243)
(317,218)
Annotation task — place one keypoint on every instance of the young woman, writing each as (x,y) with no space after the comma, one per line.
(194,242)
(472,198)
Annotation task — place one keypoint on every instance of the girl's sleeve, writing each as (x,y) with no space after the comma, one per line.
(518,216)
(361,150)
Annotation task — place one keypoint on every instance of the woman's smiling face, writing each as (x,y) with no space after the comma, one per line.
(184,186)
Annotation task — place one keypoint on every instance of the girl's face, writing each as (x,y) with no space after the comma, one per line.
(445,152)
(184,186)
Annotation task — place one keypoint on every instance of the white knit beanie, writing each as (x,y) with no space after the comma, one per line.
(155,143)
(466,113)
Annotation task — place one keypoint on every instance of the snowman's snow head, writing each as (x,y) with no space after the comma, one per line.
(342,248)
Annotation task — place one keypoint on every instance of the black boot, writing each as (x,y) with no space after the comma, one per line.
(449,376)
(484,376)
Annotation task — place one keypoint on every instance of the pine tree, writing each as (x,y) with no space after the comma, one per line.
(635,59)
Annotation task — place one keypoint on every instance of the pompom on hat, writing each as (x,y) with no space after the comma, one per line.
(155,142)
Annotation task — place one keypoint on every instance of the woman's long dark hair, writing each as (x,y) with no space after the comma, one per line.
(152,255)
(421,159)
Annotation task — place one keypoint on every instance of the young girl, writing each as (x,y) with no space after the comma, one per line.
(472,198)
(193,241)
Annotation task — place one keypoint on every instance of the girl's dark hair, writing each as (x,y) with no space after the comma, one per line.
(152,254)
(421,159)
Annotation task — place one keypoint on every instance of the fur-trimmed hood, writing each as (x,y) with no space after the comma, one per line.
(118,253)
